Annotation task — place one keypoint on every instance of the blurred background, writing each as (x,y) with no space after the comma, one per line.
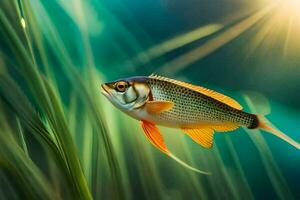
(60,139)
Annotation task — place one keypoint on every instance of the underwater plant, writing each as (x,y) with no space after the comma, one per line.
(60,139)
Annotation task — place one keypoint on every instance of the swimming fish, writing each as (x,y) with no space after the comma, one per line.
(199,112)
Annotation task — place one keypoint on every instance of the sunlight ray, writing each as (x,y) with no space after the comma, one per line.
(175,43)
(288,35)
(212,45)
(260,37)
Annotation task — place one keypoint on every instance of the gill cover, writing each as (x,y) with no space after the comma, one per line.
(127,94)
(143,91)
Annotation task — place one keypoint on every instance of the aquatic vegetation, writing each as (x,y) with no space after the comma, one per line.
(59,139)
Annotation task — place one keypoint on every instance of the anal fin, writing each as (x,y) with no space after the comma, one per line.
(203,136)
(225,127)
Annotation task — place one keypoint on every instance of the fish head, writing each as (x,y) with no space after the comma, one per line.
(127,94)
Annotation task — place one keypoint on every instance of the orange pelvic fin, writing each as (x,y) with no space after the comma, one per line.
(154,135)
(156,107)
(203,136)
(208,92)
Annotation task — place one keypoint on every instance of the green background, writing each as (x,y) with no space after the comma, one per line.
(60,139)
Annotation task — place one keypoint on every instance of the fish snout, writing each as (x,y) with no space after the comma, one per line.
(104,89)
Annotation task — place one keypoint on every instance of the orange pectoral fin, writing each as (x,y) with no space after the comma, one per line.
(156,107)
(203,136)
(154,135)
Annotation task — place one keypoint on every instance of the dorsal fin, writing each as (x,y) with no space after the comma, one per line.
(213,94)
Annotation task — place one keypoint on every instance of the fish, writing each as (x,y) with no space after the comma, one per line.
(199,112)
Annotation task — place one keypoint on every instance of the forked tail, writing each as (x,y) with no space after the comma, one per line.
(266,125)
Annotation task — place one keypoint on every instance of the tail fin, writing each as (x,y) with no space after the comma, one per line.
(266,125)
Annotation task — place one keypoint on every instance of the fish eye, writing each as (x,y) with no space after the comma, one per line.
(121,86)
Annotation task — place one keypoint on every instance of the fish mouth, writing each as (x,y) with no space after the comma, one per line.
(104,90)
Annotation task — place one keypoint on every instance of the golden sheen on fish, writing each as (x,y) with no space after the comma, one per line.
(197,111)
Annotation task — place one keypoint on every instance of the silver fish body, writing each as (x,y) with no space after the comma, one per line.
(192,108)
(198,111)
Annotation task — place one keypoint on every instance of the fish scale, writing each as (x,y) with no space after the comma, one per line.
(192,107)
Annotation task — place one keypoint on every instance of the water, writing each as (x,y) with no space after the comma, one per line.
(61,139)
